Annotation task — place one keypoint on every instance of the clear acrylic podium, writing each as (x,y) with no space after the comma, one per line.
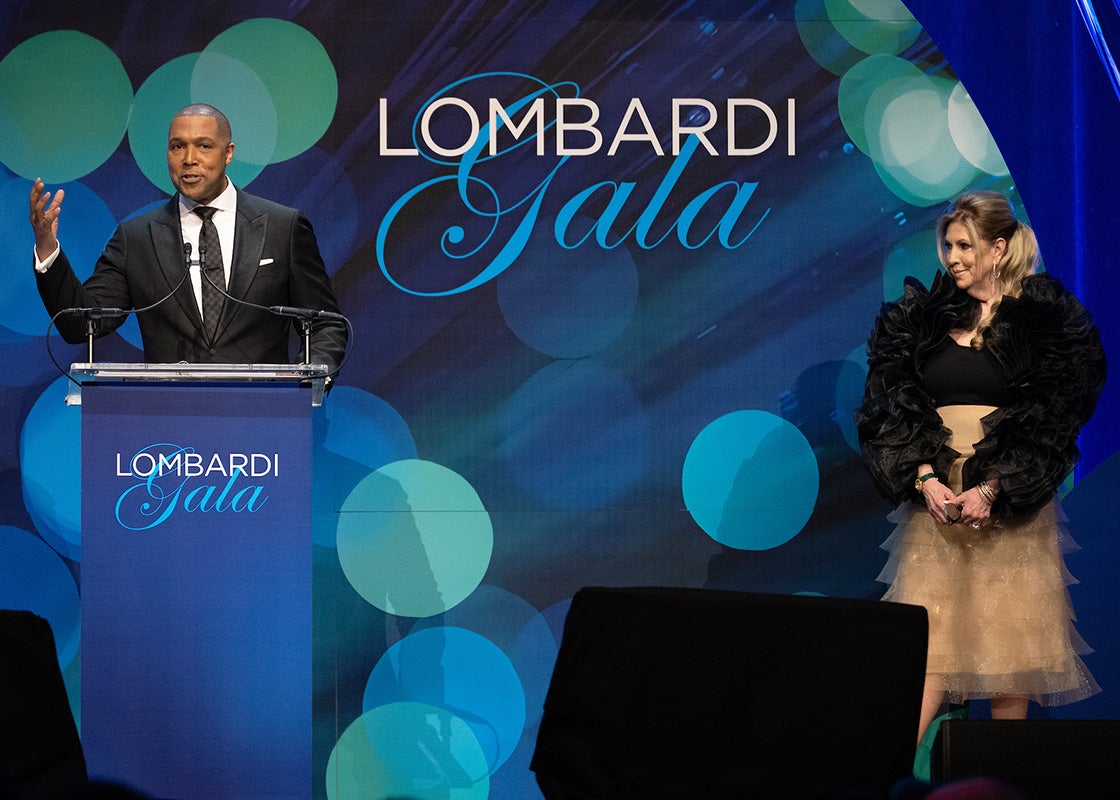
(313,375)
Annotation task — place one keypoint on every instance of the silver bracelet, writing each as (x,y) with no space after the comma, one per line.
(987,492)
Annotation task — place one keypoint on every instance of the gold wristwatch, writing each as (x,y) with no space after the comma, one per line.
(922,479)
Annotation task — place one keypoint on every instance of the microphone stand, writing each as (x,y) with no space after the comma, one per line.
(305,324)
(89,339)
(92,314)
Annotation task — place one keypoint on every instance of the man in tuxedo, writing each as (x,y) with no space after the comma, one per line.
(259,252)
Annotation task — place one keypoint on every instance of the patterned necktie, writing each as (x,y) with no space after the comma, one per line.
(212,299)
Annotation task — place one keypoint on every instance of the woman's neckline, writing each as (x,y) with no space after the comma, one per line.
(967,345)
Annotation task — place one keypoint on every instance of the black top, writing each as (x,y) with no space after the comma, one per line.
(960,375)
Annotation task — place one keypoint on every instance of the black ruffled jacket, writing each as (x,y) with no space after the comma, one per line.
(1051,354)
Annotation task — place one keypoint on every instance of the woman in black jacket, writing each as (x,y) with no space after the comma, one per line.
(976,392)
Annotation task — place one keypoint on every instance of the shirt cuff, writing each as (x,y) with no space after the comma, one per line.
(45,264)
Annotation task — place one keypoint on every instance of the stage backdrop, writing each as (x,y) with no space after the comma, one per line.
(610,266)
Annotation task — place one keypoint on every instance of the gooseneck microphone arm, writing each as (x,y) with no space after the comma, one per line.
(182,280)
(304,315)
(306,332)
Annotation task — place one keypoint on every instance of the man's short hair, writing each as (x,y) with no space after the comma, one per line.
(207,110)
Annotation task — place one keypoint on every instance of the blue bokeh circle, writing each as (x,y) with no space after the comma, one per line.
(50,463)
(461,673)
(750,480)
(33,578)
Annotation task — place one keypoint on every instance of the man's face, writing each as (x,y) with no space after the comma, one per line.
(197,156)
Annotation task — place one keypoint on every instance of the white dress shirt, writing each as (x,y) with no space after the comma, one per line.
(224,220)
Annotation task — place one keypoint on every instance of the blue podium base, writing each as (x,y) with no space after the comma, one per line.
(196,589)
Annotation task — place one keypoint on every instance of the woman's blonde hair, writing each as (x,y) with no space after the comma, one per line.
(987,216)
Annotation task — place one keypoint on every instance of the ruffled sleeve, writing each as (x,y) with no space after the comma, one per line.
(899,428)
(1051,352)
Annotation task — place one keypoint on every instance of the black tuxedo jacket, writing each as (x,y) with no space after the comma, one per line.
(276,261)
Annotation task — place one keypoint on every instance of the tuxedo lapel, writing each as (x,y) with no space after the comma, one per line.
(249,233)
(167,242)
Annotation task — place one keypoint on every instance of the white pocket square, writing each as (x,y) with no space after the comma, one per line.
(265,261)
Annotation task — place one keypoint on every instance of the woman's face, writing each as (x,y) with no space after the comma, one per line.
(971,263)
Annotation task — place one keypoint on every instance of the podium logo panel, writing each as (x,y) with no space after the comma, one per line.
(164,479)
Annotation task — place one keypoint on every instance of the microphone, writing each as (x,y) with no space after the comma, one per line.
(96,312)
(305,313)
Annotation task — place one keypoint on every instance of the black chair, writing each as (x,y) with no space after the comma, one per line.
(41,754)
(663,693)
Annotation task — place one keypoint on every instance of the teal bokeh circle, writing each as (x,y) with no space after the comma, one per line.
(171,87)
(232,86)
(164,92)
(65,100)
(821,39)
(407,750)
(750,480)
(874,76)
(296,73)
(971,134)
(910,143)
(414,539)
(874,26)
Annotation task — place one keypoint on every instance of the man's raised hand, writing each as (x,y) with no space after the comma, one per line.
(44,213)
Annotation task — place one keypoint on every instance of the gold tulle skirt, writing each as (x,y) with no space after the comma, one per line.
(1000,616)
